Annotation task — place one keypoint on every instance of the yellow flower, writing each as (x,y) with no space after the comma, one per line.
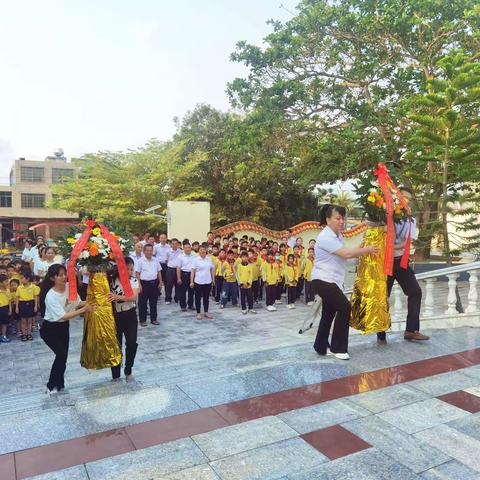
(71,240)
(96,231)
(371,199)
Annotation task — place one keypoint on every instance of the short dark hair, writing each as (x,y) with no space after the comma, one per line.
(244,253)
(327,211)
(3,278)
(147,245)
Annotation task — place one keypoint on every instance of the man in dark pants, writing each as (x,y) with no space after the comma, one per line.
(161,253)
(406,279)
(148,272)
(171,280)
(184,270)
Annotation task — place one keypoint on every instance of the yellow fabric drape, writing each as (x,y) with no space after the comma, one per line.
(369,300)
(100,347)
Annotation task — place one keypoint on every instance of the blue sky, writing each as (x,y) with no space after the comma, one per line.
(95,75)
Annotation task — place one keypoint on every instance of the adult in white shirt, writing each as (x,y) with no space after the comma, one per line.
(40,241)
(184,269)
(201,279)
(171,277)
(328,276)
(162,249)
(148,272)
(57,311)
(39,262)
(125,313)
(137,254)
(50,260)
(28,255)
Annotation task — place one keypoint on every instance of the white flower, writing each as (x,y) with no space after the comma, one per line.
(78,235)
(85,254)
(374,183)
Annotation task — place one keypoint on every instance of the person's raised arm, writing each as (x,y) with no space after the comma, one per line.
(356,252)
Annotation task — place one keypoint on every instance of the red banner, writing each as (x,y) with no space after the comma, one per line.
(383,180)
(80,245)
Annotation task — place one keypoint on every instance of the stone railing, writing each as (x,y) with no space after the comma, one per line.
(439,300)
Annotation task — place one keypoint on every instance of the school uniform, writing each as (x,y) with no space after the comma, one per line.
(230,285)
(218,279)
(126,323)
(148,271)
(245,280)
(5,299)
(214,260)
(281,281)
(26,300)
(291,282)
(171,280)
(256,275)
(185,264)
(203,282)
(307,274)
(300,264)
(271,276)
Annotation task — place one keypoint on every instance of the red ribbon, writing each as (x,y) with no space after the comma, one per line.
(382,175)
(80,245)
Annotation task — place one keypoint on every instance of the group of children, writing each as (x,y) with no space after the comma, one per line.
(253,268)
(19,290)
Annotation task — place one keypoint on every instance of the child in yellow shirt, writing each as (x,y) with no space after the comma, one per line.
(291,280)
(255,265)
(5,308)
(14,317)
(307,274)
(245,281)
(218,275)
(271,276)
(26,304)
(230,285)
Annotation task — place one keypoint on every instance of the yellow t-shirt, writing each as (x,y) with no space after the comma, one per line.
(228,272)
(5,298)
(218,270)
(291,275)
(270,273)
(245,275)
(307,270)
(27,293)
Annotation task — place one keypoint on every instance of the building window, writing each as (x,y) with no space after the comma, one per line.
(58,173)
(5,199)
(32,174)
(33,200)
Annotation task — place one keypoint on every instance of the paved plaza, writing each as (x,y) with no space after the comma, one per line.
(246,397)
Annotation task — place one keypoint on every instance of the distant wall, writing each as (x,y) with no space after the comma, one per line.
(188,220)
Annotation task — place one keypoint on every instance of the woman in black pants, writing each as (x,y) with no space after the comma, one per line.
(328,276)
(57,311)
(201,279)
(125,313)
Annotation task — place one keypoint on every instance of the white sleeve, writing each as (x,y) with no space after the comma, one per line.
(329,244)
(54,308)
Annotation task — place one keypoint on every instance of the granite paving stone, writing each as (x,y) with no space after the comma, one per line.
(469,425)
(473,372)
(245,436)
(269,462)
(411,452)
(452,470)
(322,415)
(457,445)
(422,415)
(387,398)
(26,430)
(444,383)
(135,407)
(149,462)
(369,464)
(217,391)
(73,473)
(200,472)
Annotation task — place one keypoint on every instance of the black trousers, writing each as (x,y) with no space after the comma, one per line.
(291,294)
(164,275)
(57,337)
(246,298)
(127,325)
(334,305)
(149,294)
(185,291)
(255,289)
(171,284)
(279,290)
(408,283)
(261,283)
(218,287)
(301,282)
(202,292)
(270,293)
(309,294)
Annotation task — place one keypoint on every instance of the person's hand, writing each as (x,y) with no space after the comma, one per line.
(35,309)
(371,250)
(179,282)
(89,307)
(192,285)
(112,297)
(17,311)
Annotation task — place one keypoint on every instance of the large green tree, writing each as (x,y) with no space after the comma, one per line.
(336,77)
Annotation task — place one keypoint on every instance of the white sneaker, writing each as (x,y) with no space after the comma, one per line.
(222,306)
(244,312)
(278,302)
(167,303)
(289,306)
(310,304)
(271,308)
(52,392)
(341,356)
(252,310)
(292,306)
(274,309)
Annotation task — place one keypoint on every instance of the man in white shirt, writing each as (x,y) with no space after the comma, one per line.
(162,250)
(184,269)
(171,280)
(137,254)
(28,254)
(148,272)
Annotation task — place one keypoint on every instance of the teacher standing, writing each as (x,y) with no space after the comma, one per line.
(328,276)
(57,311)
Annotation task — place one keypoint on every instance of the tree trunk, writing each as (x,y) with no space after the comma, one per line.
(446,240)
